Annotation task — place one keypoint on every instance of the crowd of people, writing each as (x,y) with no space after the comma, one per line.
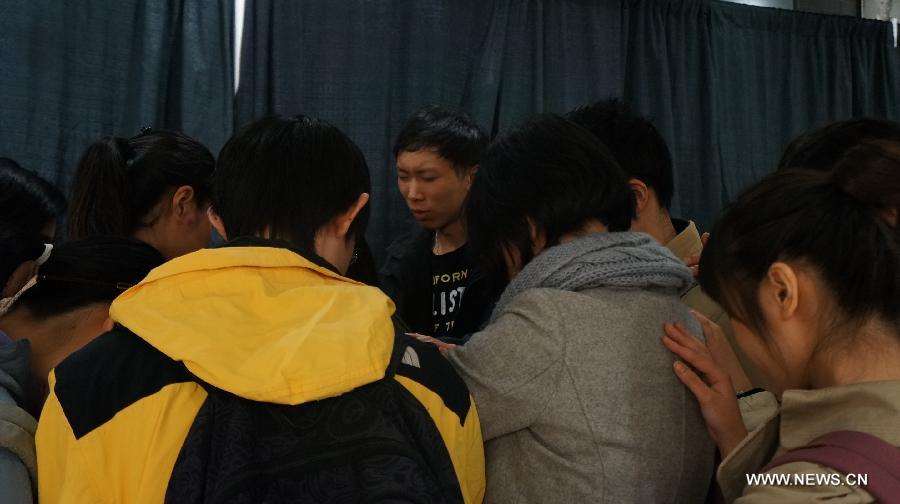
(547,332)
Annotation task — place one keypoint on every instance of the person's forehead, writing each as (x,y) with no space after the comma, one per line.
(421,159)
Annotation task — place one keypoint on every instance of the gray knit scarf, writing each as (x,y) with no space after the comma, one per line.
(622,260)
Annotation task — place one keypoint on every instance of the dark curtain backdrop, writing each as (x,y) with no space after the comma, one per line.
(669,78)
(365,66)
(778,73)
(729,85)
(71,71)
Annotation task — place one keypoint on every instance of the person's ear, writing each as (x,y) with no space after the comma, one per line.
(891,216)
(183,203)
(512,259)
(345,220)
(216,222)
(538,237)
(470,176)
(782,287)
(641,194)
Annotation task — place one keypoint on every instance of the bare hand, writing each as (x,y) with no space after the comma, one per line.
(443,347)
(693,262)
(714,391)
(723,353)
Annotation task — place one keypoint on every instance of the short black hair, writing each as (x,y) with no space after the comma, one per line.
(831,221)
(289,176)
(453,134)
(549,170)
(27,200)
(92,270)
(823,147)
(634,141)
(120,181)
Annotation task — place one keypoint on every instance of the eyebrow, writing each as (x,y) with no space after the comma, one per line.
(418,170)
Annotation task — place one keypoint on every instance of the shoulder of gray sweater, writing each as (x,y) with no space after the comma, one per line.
(611,304)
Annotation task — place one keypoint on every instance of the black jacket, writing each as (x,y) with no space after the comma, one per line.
(406,278)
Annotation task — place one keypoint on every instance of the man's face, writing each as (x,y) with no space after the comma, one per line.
(433,191)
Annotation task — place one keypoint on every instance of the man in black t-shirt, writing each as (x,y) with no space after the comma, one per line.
(429,273)
(449,279)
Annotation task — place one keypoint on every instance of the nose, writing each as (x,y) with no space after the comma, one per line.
(413,191)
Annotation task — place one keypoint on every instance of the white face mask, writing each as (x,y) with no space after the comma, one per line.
(7,302)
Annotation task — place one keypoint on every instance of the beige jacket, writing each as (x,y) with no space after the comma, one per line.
(872,408)
(687,243)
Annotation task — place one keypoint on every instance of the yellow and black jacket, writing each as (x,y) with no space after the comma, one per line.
(257,322)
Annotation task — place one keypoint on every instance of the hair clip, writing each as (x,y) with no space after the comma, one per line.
(146,130)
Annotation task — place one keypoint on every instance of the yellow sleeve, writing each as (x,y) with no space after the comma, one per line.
(63,474)
(463,442)
(127,459)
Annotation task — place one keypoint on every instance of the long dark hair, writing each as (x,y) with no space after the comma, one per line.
(120,181)
(836,222)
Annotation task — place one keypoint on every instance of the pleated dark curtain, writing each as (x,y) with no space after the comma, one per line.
(669,78)
(778,73)
(71,71)
(729,85)
(365,66)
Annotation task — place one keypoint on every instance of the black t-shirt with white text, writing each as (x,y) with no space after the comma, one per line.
(449,280)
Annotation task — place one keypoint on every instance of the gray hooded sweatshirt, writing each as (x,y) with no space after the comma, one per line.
(18,468)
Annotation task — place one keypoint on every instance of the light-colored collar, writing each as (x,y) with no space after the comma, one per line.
(687,243)
(804,415)
(870,407)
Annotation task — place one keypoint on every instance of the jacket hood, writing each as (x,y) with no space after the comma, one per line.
(263,323)
(17,426)
(15,370)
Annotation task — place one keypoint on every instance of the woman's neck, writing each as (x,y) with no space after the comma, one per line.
(590,227)
(871,354)
(19,325)
(53,338)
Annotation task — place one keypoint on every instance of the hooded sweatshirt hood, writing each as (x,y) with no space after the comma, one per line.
(263,323)
(17,426)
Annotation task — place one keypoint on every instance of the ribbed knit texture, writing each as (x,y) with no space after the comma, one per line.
(622,260)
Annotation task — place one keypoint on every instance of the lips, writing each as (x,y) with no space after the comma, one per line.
(419,214)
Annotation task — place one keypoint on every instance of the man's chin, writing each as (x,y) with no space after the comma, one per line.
(431,225)
(428,225)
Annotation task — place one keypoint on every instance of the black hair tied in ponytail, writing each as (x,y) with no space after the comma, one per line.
(121,181)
